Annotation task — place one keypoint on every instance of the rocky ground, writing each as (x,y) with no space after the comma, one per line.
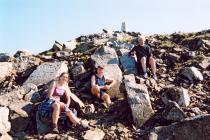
(176,106)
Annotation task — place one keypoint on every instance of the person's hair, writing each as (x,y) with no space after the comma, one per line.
(142,36)
(63,74)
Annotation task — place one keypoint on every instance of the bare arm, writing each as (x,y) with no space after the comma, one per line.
(67,93)
(111,81)
(93,81)
(51,90)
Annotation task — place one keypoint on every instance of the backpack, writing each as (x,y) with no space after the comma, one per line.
(45,110)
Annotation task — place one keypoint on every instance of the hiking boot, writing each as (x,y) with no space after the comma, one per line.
(145,75)
(155,77)
(55,130)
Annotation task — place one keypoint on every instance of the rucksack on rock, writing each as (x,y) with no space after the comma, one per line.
(45,110)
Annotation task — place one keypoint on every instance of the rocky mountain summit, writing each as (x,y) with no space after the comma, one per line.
(176,106)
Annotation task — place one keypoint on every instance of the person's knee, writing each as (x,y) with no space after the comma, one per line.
(56,106)
(143,59)
(152,60)
(69,113)
(105,96)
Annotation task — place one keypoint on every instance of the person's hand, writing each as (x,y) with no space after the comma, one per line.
(106,87)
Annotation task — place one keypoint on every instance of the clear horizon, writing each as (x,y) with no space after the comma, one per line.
(34,25)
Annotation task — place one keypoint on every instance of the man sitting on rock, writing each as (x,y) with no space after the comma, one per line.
(144,57)
(99,85)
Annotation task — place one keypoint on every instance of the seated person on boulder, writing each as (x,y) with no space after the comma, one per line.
(99,85)
(57,89)
(144,57)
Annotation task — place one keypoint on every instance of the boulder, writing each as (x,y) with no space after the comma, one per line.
(6,137)
(192,74)
(113,71)
(173,57)
(6,70)
(173,112)
(4,57)
(95,134)
(47,72)
(105,55)
(124,27)
(11,97)
(69,45)
(21,113)
(41,127)
(57,46)
(195,128)
(205,63)
(177,94)
(77,71)
(5,125)
(139,100)
(128,62)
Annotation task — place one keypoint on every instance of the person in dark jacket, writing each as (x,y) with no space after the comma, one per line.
(144,57)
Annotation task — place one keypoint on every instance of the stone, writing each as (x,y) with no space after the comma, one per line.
(5,137)
(57,46)
(177,94)
(5,125)
(113,71)
(192,74)
(77,100)
(205,63)
(22,111)
(11,97)
(173,57)
(5,57)
(77,71)
(6,70)
(105,55)
(32,96)
(128,62)
(195,128)
(47,72)
(69,45)
(95,134)
(173,112)
(30,87)
(139,100)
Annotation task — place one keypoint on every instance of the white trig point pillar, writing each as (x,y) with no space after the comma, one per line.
(124,27)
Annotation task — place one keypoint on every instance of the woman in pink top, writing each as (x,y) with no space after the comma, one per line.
(57,89)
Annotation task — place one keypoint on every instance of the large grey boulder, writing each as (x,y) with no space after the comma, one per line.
(113,71)
(41,127)
(47,72)
(177,94)
(11,97)
(128,62)
(5,70)
(196,128)
(139,100)
(5,125)
(69,45)
(105,55)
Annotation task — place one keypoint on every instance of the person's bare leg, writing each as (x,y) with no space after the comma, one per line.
(152,62)
(72,117)
(56,112)
(143,64)
(106,99)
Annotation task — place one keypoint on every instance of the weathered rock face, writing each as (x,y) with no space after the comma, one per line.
(4,57)
(189,129)
(128,62)
(113,71)
(105,55)
(6,70)
(47,72)
(5,125)
(139,101)
(179,95)
(69,45)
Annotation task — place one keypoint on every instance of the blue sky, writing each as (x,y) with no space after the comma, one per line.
(34,25)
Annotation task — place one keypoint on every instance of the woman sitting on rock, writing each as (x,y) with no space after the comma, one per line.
(99,85)
(57,89)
